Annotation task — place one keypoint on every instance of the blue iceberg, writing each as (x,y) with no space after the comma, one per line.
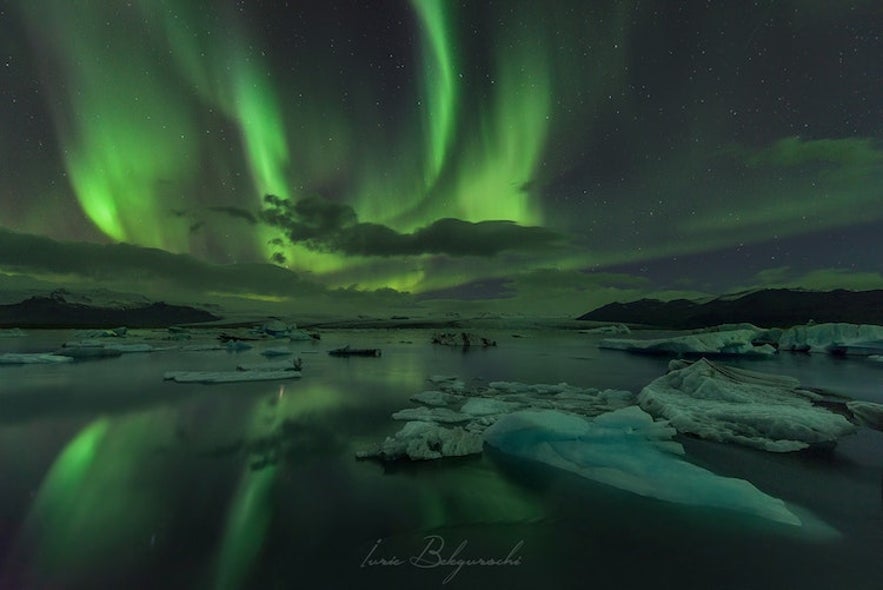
(628,450)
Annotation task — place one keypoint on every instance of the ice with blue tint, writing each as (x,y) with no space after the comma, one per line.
(37,358)
(628,450)
(837,338)
(733,405)
(722,343)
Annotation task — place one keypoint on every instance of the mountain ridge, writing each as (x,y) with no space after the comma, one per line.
(765,307)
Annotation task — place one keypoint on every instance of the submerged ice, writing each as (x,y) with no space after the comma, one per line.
(628,450)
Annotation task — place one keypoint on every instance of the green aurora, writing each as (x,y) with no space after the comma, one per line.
(595,120)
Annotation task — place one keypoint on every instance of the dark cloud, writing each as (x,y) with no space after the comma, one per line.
(332,227)
(235,212)
(147,267)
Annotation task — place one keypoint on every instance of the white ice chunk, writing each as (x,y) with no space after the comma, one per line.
(728,342)
(202,347)
(436,398)
(425,441)
(842,338)
(299,336)
(39,358)
(869,413)
(726,404)
(275,328)
(483,406)
(612,329)
(629,451)
(424,414)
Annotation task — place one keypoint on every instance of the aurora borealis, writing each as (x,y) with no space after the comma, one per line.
(426,146)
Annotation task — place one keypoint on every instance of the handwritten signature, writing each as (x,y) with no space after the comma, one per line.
(433,556)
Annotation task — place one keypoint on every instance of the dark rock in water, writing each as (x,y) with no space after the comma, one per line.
(347,351)
(464,339)
(57,312)
(768,307)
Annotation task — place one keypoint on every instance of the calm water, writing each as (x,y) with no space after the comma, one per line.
(113,478)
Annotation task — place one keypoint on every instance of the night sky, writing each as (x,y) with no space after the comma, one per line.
(445,148)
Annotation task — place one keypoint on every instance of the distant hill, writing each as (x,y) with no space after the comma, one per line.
(55,311)
(766,308)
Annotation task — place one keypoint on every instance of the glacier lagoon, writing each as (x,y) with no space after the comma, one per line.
(116,478)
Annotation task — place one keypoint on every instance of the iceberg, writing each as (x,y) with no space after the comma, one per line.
(38,358)
(626,449)
(421,441)
(205,347)
(275,328)
(436,398)
(834,338)
(725,404)
(300,336)
(723,343)
(92,349)
(868,413)
(611,329)
(443,415)
(228,376)
(477,407)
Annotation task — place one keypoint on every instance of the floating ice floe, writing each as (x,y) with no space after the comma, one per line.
(21,358)
(612,329)
(474,408)
(626,449)
(726,404)
(442,415)
(300,336)
(275,328)
(205,347)
(834,338)
(868,413)
(110,333)
(228,376)
(86,349)
(724,343)
(103,348)
(420,441)
(448,384)
(436,398)
(289,365)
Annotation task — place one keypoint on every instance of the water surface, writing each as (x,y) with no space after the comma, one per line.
(113,477)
